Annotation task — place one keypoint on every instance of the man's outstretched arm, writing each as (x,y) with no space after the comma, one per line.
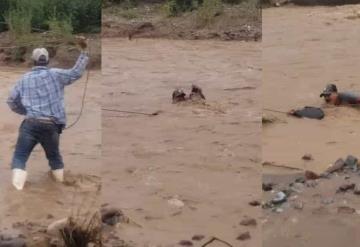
(69,76)
(14,101)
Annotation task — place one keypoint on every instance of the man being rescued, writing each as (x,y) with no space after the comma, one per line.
(39,96)
(332,96)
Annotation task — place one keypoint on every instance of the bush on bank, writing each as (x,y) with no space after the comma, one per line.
(84,16)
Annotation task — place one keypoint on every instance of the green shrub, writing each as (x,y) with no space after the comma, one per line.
(175,7)
(129,14)
(19,18)
(4,8)
(208,11)
(124,3)
(84,15)
(61,29)
(233,1)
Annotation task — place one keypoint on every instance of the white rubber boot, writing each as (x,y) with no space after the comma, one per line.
(19,178)
(58,175)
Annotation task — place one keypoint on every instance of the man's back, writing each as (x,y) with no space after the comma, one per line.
(348,98)
(40,92)
(42,95)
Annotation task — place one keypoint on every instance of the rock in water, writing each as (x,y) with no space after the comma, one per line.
(267,186)
(198,237)
(111,216)
(346,210)
(185,243)
(309,175)
(175,202)
(244,236)
(247,221)
(254,203)
(351,162)
(279,198)
(339,164)
(307,157)
(346,187)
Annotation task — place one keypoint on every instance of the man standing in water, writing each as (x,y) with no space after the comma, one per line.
(332,96)
(39,96)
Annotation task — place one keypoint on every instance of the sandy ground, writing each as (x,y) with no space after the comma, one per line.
(205,156)
(42,200)
(303,50)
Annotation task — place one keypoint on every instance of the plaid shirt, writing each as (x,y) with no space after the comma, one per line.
(40,93)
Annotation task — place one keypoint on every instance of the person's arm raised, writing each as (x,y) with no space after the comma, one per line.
(69,76)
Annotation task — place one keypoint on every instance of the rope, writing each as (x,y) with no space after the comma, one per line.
(132,112)
(83,97)
(271,110)
(213,239)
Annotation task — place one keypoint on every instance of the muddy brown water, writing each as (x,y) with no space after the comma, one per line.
(296,69)
(206,156)
(81,152)
(303,50)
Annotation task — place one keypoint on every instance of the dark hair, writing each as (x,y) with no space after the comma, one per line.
(42,61)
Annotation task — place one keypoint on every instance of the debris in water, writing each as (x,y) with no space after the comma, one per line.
(309,175)
(268,120)
(186,243)
(244,236)
(346,187)
(345,210)
(308,112)
(267,186)
(254,203)
(176,202)
(198,237)
(307,157)
(112,216)
(338,165)
(279,198)
(247,221)
(352,163)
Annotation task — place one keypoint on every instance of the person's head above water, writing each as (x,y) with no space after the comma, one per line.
(329,93)
(40,56)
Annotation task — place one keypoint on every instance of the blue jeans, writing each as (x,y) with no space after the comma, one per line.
(31,133)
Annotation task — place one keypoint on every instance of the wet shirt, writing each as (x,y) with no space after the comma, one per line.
(40,93)
(348,98)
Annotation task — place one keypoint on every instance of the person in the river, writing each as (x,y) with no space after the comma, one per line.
(332,96)
(39,97)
